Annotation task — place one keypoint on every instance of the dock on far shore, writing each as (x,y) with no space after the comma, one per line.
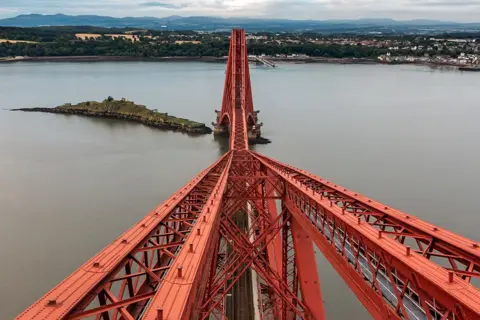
(261,60)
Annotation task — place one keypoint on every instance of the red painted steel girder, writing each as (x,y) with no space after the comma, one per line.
(380,270)
(449,250)
(307,272)
(187,275)
(122,278)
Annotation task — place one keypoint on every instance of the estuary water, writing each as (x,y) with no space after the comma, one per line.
(407,136)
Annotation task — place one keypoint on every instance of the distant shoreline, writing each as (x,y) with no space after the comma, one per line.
(296,60)
(110,58)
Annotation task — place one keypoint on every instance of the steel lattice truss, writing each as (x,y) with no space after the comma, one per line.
(247,225)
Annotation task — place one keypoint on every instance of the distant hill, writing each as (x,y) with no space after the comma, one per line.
(39,20)
(216,23)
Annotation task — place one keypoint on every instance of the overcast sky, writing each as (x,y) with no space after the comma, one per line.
(452,10)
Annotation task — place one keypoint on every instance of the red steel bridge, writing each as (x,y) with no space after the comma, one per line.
(237,242)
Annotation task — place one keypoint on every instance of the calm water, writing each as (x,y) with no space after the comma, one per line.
(407,136)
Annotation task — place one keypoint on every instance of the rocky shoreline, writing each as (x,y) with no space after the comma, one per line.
(197,129)
(259,140)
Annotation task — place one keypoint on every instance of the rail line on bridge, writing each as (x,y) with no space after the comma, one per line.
(237,242)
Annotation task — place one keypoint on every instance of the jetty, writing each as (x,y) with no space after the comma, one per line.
(262,61)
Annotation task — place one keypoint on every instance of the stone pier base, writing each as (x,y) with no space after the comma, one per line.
(221,130)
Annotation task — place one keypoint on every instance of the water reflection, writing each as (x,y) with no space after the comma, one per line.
(397,135)
(125,123)
(223,144)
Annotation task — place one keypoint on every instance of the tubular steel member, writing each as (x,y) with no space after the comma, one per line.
(307,271)
(121,280)
(390,279)
(178,294)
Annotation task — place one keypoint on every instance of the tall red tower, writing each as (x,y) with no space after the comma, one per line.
(237,242)
(238,90)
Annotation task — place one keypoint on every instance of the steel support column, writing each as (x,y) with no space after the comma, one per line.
(307,271)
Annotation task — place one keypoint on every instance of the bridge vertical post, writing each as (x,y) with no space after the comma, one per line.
(307,271)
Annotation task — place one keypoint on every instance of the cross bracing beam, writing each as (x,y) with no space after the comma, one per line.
(265,246)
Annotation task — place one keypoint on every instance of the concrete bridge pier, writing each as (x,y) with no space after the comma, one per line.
(254,133)
(220,130)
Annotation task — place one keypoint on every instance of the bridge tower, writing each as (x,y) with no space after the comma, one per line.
(238,90)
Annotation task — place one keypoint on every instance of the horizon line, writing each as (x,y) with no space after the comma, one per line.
(243,17)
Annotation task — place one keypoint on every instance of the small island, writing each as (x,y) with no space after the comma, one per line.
(129,111)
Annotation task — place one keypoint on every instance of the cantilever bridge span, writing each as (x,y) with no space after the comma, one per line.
(237,242)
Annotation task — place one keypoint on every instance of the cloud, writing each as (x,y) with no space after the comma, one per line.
(162,5)
(456,10)
(447,3)
(7,10)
